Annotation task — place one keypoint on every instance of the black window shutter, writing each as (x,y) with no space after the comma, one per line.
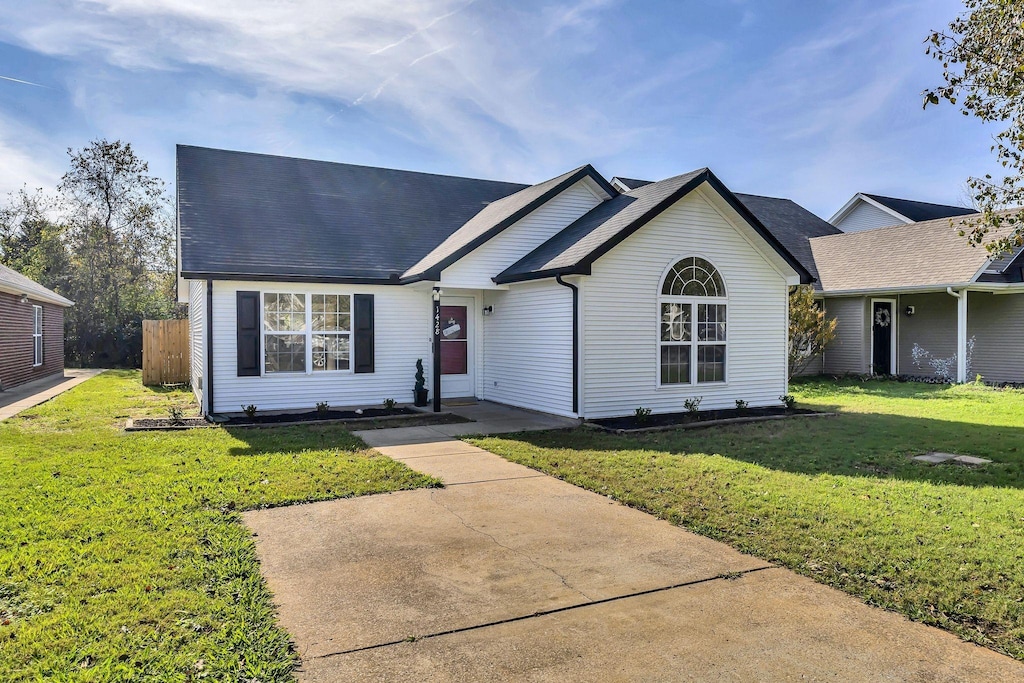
(362,332)
(248,327)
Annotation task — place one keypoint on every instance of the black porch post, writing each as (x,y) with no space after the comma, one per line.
(437,349)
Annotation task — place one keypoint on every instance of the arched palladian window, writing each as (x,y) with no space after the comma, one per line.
(692,304)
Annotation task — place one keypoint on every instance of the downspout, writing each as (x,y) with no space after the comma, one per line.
(575,343)
(961,333)
(209,347)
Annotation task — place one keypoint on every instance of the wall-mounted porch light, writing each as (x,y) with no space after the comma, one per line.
(909,311)
(24,298)
(487,310)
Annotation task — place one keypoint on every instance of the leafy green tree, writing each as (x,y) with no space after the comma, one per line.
(105,241)
(120,234)
(32,243)
(809,329)
(982,56)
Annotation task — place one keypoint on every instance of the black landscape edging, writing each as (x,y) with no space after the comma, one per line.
(158,424)
(670,421)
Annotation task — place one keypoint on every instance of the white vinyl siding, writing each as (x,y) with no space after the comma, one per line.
(476,269)
(197,335)
(528,347)
(402,318)
(864,216)
(622,325)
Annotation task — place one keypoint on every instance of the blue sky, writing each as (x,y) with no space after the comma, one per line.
(808,100)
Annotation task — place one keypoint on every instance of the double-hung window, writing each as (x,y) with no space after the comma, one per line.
(692,307)
(306,332)
(37,336)
(284,332)
(332,325)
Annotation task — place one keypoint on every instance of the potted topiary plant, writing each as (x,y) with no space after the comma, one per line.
(420,392)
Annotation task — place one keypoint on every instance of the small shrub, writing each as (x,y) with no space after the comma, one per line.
(642,414)
(741,404)
(250,411)
(176,413)
(421,381)
(788,400)
(322,408)
(692,405)
(389,404)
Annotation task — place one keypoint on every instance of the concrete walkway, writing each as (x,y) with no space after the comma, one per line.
(31,394)
(508,574)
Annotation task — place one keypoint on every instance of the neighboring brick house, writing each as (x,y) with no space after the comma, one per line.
(31,330)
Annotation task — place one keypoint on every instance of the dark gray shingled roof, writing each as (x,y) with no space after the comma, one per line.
(497,216)
(272,217)
(792,224)
(577,246)
(920,211)
(1012,261)
(16,283)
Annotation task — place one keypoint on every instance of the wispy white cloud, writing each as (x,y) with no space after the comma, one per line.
(25,163)
(580,15)
(463,83)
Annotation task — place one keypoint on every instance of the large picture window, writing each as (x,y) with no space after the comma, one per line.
(37,335)
(306,332)
(692,341)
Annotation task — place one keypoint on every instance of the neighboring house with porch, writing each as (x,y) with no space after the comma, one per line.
(917,299)
(31,330)
(868,211)
(312,281)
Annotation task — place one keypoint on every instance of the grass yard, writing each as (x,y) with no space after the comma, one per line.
(122,556)
(838,498)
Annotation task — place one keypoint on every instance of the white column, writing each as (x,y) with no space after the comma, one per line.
(961,336)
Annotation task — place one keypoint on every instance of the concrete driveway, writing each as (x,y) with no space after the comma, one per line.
(508,574)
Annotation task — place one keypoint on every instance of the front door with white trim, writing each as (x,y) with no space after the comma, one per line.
(457,379)
(883,336)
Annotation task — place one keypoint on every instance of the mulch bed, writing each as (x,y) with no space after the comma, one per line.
(704,418)
(369,418)
(143,424)
(316,416)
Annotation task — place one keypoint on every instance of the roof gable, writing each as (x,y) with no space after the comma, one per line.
(575,248)
(498,216)
(901,210)
(916,212)
(270,217)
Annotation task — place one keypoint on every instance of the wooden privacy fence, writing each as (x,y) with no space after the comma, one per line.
(165,352)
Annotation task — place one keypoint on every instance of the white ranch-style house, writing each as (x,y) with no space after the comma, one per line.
(311,281)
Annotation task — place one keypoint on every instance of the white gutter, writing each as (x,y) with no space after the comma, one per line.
(920,289)
(51,298)
(993,287)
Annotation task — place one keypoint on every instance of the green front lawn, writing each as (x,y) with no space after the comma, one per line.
(838,498)
(122,556)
